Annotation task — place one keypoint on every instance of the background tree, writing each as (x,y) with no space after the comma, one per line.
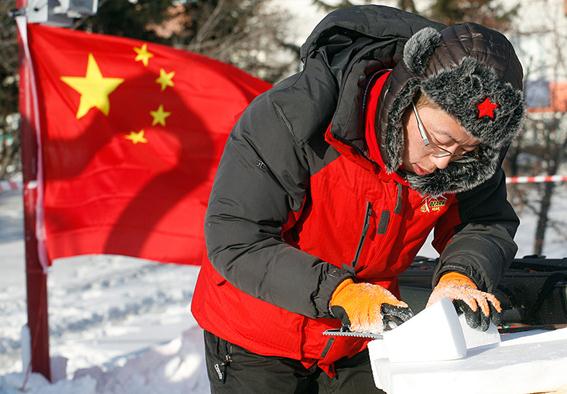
(490,13)
(249,34)
(9,117)
(542,146)
(408,5)
(127,19)
(328,7)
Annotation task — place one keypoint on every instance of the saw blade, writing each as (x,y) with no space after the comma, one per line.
(341,333)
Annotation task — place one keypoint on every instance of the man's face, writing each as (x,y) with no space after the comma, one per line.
(444,134)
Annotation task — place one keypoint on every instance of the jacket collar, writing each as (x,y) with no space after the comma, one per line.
(367,155)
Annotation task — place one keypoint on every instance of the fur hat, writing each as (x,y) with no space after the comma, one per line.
(472,73)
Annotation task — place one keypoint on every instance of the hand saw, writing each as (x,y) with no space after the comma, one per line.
(342,332)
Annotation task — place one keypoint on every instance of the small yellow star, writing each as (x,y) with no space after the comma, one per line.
(143,55)
(137,137)
(159,116)
(93,87)
(165,79)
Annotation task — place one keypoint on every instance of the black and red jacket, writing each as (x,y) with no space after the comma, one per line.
(301,201)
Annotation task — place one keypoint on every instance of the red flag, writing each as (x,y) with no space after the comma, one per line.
(131,136)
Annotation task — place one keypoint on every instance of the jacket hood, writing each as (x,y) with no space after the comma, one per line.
(352,44)
(473,74)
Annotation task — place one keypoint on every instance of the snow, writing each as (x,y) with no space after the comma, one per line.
(121,325)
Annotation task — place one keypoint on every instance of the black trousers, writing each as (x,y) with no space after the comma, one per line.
(234,370)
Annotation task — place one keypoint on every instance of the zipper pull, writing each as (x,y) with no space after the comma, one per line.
(220,368)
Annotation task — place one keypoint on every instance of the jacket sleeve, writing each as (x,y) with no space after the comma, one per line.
(478,232)
(261,179)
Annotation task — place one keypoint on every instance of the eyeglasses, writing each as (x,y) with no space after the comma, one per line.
(437,151)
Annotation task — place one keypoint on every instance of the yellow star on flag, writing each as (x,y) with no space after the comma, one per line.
(143,54)
(137,137)
(159,116)
(165,79)
(94,88)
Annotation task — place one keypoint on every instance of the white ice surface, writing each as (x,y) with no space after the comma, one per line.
(448,337)
(523,363)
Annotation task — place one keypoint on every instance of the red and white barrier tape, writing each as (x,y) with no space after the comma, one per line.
(10,185)
(536,179)
(17,185)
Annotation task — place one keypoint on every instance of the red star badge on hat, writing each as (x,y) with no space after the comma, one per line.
(486,108)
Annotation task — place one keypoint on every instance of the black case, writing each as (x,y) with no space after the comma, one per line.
(533,290)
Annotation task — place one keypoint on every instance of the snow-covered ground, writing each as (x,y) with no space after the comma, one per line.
(124,324)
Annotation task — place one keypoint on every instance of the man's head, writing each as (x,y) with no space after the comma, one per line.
(434,139)
(465,83)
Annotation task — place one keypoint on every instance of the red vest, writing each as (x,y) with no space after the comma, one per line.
(347,197)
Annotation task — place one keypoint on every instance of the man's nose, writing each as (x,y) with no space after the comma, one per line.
(441,162)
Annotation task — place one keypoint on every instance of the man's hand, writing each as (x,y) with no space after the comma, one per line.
(479,307)
(367,307)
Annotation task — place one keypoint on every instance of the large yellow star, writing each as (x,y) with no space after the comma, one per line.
(159,116)
(137,137)
(165,79)
(143,54)
(94,88)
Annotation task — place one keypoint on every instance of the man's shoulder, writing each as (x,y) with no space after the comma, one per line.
(291,110)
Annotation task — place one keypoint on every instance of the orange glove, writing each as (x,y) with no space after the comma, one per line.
(368,308)
(479,307)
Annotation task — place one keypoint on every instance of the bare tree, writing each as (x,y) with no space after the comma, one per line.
(326,7)
(407,5)
(489,13)
(9,119)
(542,145)
(554,141)
(250,34)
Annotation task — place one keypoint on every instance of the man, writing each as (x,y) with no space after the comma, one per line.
(329,185)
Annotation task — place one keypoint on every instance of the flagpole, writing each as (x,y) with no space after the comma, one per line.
(36,273)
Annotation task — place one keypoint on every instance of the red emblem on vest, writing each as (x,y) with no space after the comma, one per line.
(486,108)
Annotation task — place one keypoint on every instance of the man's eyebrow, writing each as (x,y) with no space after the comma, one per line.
(448,134)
